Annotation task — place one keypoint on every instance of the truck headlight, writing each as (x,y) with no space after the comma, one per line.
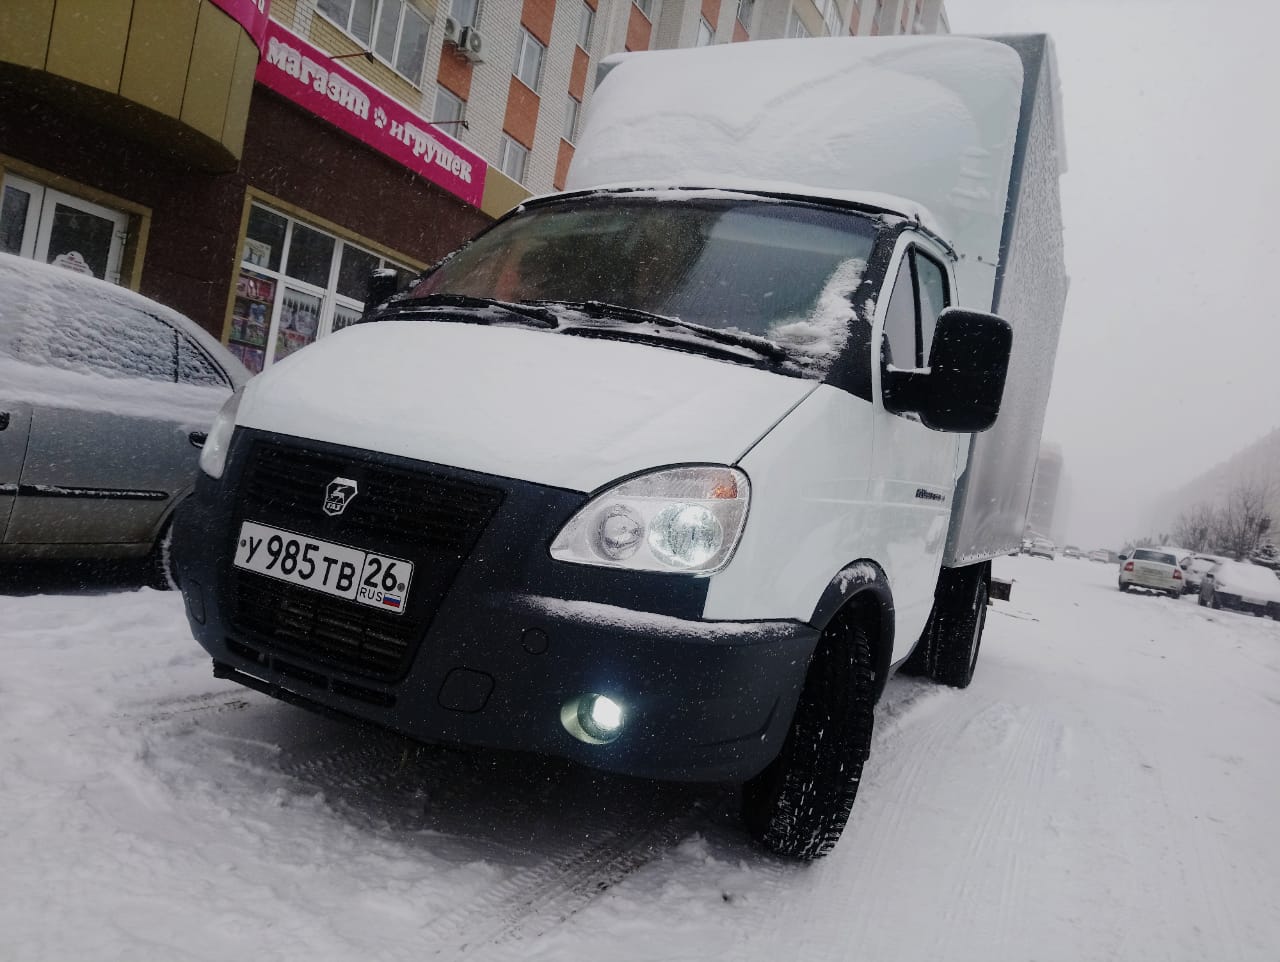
(686,519)
(213,456)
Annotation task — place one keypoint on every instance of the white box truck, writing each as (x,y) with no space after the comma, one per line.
(668,472)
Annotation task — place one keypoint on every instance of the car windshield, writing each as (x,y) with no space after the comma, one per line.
(747,266)
(1157,556)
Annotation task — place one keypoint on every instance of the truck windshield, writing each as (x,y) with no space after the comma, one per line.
(749,266)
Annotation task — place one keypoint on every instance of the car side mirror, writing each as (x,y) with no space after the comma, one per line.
(381,287)
(961,389)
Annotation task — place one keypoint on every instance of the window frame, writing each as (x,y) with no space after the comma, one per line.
(375,22)
(646,7)
(475,17)
(587,16)
(569,129)
(526,41)
(507,145)
(454,122)
(704,28)
(913,248)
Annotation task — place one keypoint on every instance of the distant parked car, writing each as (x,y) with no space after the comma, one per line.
(1195,571)
(1241,586)
(105,398)
(1071,551)
(1043,548)
(1154,569)
(1100,555)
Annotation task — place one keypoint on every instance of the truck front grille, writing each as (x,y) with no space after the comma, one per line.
(423,516)
(430,510)
(329,631)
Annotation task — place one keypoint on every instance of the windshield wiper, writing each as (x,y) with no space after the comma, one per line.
(525,311)
(632,315)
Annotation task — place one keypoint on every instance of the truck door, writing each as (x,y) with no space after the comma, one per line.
(913,469)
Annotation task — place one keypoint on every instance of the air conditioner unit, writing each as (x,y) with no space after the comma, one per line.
(452,30)
(471,44)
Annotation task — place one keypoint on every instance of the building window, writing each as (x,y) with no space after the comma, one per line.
(744,11)
(571,110)
(706,36)
(796,27)
(449,112)
(529,54)
(296,283)
(586,23)
(512,158)
(830,16)
(392,29)
(466,12)
(646,7)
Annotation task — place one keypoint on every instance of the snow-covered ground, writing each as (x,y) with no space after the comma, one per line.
(1108,788)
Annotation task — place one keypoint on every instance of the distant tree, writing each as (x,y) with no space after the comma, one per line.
(1195,528)
(1243,522)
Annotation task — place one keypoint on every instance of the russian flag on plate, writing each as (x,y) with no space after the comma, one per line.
(391,601)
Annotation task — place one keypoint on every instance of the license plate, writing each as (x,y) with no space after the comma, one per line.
(365,577)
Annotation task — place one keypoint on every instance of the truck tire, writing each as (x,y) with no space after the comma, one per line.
(798,806)
(947,652)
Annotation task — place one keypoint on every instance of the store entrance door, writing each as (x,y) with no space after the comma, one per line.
(56,228)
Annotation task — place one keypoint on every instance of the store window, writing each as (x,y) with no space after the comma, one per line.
(392,29)
(586,24)
(528,65)
(56,228)
(571,110)
(297,283)
(512,159)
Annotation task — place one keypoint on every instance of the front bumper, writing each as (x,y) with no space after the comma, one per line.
(515,637)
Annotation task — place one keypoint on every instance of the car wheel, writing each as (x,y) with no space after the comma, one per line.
(1174,593)
(1124,586)
(161,573)
(798,806)
(948,650)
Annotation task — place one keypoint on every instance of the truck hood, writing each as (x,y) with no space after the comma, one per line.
(567,411)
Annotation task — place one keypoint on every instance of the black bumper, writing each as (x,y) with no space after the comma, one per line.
(513,638)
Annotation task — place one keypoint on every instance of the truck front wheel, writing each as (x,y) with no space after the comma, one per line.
(798,806)
(948,650)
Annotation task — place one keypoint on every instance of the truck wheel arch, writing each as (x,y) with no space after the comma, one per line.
(862,583)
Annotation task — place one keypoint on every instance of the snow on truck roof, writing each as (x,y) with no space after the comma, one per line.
(926,124)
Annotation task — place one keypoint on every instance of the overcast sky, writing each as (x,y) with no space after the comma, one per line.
(1170,354)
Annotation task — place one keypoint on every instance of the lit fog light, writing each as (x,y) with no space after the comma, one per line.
(595,719)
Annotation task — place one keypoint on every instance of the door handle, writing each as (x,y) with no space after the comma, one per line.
(197,438)
(4,420)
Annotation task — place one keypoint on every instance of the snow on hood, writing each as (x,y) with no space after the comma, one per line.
(554,409)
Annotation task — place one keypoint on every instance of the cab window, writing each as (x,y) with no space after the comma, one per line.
(919,295)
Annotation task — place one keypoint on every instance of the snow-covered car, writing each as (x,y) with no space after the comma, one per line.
(1043,548)
(1193,574)
(1153,569)
(105,398)
(1100,554)
(1241,586)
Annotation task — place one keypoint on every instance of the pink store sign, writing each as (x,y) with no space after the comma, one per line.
(293,68)
(250,14)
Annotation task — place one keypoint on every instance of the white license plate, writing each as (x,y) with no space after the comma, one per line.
(362,576)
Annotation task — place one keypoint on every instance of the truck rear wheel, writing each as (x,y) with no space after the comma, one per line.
(798,806)
(948,650)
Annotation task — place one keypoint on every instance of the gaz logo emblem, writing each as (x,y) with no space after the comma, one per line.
(338,495)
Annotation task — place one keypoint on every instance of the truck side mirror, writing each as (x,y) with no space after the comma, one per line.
(382,285)
(961,389)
